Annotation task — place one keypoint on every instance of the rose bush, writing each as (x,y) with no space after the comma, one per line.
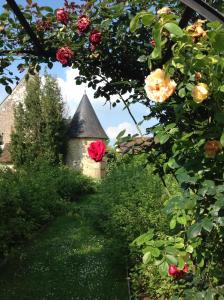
(188,105)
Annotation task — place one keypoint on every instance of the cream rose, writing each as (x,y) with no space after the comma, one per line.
(158,86)
(196,30)
(200,92)
(164,10)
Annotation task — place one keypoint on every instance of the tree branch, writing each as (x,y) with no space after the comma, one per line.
(38,47)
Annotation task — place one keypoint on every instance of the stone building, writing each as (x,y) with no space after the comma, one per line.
(83,129)
(7,119)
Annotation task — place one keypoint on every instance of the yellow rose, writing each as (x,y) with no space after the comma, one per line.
(165,10)
(200,92)
(158,86)
(196,30)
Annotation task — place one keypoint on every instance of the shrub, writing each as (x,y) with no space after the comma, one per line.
(29,198)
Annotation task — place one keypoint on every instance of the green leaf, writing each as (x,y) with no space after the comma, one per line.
(194,230)
(163,268)
(182,93)
(181,262)
(189,249)
(8,89)
(182,220)
(174,29)
(155,252)
(172,260)
(222,139)
(120,134)
(146,258)
(218,43)
(157,52)
(164,138)
(148,19)
(207,224)
(142,239)
(134,23)
(173,223)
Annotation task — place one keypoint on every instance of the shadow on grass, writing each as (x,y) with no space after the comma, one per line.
(70,260)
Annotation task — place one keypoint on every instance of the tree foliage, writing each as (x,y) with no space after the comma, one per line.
(39,126)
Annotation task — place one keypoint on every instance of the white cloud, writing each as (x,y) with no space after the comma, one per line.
(72,93)
(112,132)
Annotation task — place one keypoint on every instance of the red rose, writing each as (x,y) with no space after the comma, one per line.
(96,150)
(83,23)
(62,16)
(43,25)
(64,55)
(95,37)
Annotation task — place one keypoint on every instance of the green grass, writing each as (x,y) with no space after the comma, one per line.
(70,260)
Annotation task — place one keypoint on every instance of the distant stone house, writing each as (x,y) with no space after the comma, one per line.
(83,129)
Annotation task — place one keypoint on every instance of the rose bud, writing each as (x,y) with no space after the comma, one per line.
(96,150)
(62,16)
(83,23)
(165,10)
(186,268)
(153,43)
(95,37)
(198,76)
(200,92)
(212,148)
(64,55)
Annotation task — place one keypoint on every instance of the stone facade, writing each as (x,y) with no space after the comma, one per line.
(7,111)
(78,158)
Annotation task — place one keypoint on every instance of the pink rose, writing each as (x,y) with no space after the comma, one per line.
(83,23)
(64,55)
(173,271)
(62,16)
(95,37)
(96,150)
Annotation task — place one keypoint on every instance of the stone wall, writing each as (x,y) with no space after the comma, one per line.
(78,158)
(7,111)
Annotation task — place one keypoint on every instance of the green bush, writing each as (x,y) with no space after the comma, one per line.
(129,202)
(29,198)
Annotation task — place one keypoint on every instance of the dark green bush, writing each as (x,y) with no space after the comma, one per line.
(129,201)
(29,198)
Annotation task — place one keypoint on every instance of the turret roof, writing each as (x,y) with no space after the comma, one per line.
(85,123)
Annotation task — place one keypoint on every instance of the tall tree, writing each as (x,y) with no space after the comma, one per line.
(39,126)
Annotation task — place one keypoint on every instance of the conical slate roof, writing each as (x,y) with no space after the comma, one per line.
(85,123)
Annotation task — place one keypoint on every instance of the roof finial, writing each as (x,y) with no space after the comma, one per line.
(85,92)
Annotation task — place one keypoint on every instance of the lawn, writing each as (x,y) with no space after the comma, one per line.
(68,260)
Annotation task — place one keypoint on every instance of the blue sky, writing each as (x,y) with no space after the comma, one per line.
(112,119)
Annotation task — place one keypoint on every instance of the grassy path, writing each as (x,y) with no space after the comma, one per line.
(70,260)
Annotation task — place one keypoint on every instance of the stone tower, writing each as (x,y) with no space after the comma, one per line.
(84,129)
